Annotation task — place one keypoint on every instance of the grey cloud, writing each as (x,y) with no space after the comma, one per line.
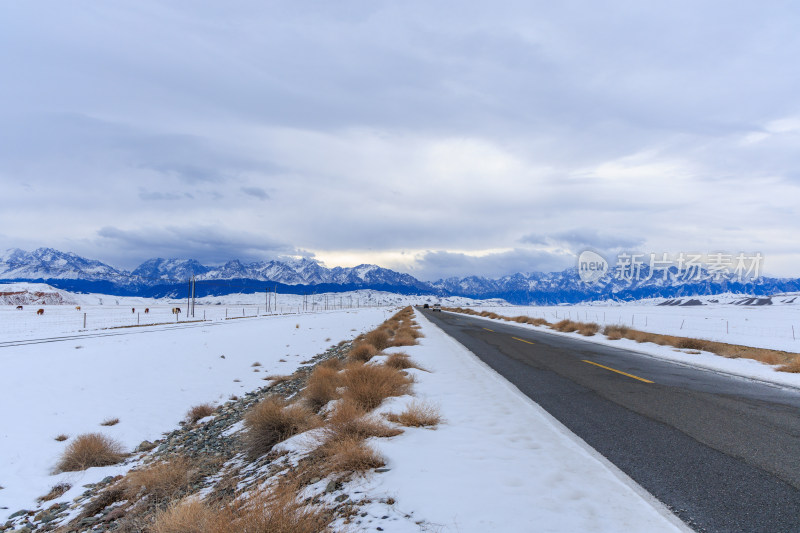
(577,239)
(256,192)
(205,243)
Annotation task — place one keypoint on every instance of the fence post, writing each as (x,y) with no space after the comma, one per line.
(137,319)
(84,323)
(682,321)
(793,338)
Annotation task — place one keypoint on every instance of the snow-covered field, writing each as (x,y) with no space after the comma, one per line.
(146,377)
(775,326)
(98,311)
(498,462)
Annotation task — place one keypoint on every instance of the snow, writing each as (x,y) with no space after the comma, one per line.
(101,311)
(499,462)
(759,326)
(146,377)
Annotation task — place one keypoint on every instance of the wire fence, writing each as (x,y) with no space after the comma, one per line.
(32,321)
(777,327)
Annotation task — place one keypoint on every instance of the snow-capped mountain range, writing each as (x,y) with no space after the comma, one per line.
(167,277)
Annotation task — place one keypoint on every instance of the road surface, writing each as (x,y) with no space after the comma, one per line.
(722,452)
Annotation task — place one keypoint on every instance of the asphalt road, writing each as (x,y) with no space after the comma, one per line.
(722,452)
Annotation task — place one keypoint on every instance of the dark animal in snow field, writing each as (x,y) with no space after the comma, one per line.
(133,309)
(19,307)
(176,310)
(40,312)
(146,310)
(78,308)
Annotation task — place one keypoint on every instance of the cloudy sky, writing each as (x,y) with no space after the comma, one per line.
(434,137)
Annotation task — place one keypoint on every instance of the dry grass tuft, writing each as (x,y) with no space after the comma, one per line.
(567,326)
(401,361)
(363,351)
(588,329)
(378,338)
(277,511)
(88,450)
(404,338)
(256,364)
(417,414)
(538,322)
(273,420)
(200,411)
(334,363)
(369,385)
(187,516)
(277,378)
(110,422)
(321,387)
(62,437)
(56,492)
(349,454)
(792,366)
(163,481)
(350,420)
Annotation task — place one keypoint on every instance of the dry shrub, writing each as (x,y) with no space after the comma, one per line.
(567,326)
(273,420)
(350,420)
(321,387)
(188,516)
(88,450)
(277,378)
(57,491)
(199,411)
(538,322)
(401,361)
(520,319)
(404,338)
(792,366)
(369,385)
(349,454)
(692,344)
(276,511)
(417,414)
(378,338)
(162,480)
(62,437)
(615,332)
(110,422)
(588,329)
(334,363)
(363,351)
(256,364)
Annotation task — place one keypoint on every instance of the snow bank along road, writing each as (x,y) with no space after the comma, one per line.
(722,452)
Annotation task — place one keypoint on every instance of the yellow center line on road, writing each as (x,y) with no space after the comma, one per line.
(617,371)
(522,340)
(487,329)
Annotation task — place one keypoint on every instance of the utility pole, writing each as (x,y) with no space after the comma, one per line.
(194,289)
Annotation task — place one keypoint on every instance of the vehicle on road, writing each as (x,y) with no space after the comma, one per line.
(426,306)
(437,307)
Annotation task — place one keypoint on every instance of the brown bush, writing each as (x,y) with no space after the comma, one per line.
(378,338)
(350,420)
(417,414)
(348,454)
(538,322)
(321,387)
(200,411)
(62,437)
(792,366)
(567,326)
(110,422)
(401,361)
(276,511)
(691,344)
(363,351)
(369,385)
(188,516)
(588,329)
(273,420)
(163,481)
(88,450)
(334,363)
(404,338)
(56,492)
(615,332)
